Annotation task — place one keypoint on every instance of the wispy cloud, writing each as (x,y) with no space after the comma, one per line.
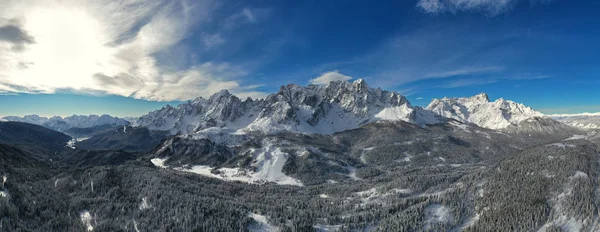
(330,76)
(467,82)
(528,77)
(437,51)
(463,71)
(109,47)
(487,7)
(211,41)
(464,82)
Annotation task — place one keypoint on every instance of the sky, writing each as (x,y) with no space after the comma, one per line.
(128,57)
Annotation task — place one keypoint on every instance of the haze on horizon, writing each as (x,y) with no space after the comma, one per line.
(125,58)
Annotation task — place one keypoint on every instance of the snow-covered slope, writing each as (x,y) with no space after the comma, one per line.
(327,109)
(537,126)
(584,121)
(480,111)
(76,121)
(220,110)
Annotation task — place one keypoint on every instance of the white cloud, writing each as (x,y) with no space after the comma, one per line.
(463,71)
(330,76)
(467,82)
(489,7)
(249,15)
(109,47)
(211,41)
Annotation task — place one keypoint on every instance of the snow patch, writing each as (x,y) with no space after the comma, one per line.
(371,195)
(352,173)
(462,126)
(407,157)
(144,205)
(436,214)
(86,219)
(268,164)
(579,174)
(575,137)
(562,215)
(261,224)
(562,145)
(469,222)
(401,113)
(327,228)
(159,162)
(135,226)
(71,143)
(363,154)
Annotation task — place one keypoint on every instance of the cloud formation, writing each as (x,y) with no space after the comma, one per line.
(13,34)
(330,76)
(108,47)
(487,7)
(463,71)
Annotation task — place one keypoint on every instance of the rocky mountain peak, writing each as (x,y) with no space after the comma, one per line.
(482,97)
(480,111)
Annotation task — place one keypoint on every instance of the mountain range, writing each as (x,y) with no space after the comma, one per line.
(76,121)
(337,157)
(321,109)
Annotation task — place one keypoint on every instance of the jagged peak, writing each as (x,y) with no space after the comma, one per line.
(360,85)
(481,97)
(222,93)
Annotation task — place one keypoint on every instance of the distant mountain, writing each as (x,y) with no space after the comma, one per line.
(480,111)
(76,121)
(33,138)
(335,107)
(584,121)
(126,138)
(541,126)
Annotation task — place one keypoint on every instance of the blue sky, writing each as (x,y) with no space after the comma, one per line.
(543,53)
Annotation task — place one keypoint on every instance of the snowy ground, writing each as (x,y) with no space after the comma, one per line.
(268,163)
(158,162)
(71,143)
(261,224)
(86,219)
(562,145)
(327,228)
(436,214)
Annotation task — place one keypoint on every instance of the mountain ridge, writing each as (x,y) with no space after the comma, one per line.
(327,109)
(62,124)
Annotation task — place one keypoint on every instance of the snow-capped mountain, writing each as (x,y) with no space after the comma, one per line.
(584,121)
(331,108)
(480,111)
(76,121)
(221,109)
